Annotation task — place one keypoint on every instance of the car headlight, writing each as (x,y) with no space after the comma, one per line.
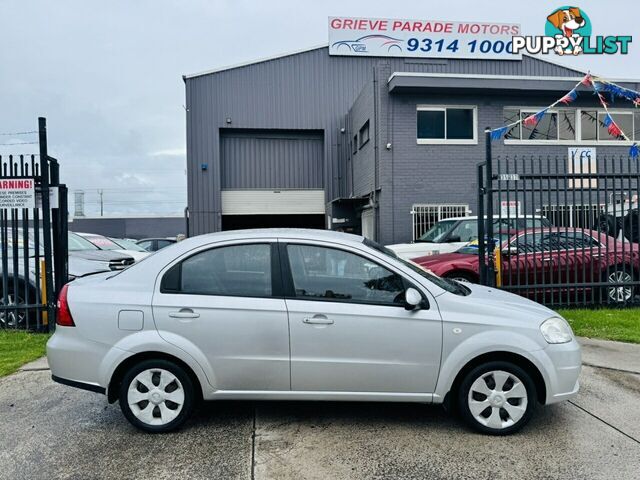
(556,330)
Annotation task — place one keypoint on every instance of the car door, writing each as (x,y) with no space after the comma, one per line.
(349,330)
(224,301)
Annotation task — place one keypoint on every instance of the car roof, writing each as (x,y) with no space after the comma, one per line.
(284,233)
(156,238)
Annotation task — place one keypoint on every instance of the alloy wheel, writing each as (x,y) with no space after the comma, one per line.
(497,399)
(620,293)
(10,317)
(156,396)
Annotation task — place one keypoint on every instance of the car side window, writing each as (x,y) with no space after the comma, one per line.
(576,241)
(163,243)
(322,273)
(147,245)
(238,270)
(529,243)
(466,231)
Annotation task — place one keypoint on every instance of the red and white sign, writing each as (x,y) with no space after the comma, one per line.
(17,193)
(509,209)
(389,37)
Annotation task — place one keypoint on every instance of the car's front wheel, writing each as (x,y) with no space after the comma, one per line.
(497,398)
(156,396)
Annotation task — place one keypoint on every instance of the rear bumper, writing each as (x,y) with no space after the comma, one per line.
(74,360)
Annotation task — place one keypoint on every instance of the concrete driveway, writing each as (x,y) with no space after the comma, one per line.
(51,431)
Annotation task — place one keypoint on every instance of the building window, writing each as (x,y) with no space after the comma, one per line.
(364,134)
(425,216)
(354,144)
(447,124)
(569,126)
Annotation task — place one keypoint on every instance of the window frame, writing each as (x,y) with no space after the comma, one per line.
(276,276)
(445,140)
(363,128)
(289,288)
(578,126)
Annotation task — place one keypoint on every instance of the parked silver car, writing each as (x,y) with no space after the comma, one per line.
(306,315)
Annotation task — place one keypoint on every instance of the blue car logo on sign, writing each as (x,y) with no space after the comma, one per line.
(377,41)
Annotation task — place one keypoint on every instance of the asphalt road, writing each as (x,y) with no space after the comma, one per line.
(51,431)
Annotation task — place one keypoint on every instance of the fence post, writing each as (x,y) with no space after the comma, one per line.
(490,272)
(62,274)
(481,250)
(46,219)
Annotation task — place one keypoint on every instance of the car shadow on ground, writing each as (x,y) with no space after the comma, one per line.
(318,414)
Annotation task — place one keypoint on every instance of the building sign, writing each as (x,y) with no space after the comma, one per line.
(386,37)
(582,160)
(510,208)
(17,193)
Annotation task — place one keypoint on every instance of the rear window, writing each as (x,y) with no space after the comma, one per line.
(238,270)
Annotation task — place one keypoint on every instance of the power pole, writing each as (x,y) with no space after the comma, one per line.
(100,192)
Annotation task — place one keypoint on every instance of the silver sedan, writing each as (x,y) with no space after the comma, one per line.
(306,315)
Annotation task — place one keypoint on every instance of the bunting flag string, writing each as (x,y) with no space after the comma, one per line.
(600,86)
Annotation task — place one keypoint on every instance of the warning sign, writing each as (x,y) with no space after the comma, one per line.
(18,193)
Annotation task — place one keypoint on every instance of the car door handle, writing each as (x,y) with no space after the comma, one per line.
(318,320)
(184,313)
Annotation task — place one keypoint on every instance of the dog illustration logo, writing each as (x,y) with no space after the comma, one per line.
(568,22)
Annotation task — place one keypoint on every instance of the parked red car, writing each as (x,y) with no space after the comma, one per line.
(553,265)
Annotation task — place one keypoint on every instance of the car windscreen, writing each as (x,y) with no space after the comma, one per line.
(450,286)
(437,232)
(76,243)
(472,247)
(127,245)
(103,243)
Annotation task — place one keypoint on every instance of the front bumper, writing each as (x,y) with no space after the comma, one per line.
(562,365)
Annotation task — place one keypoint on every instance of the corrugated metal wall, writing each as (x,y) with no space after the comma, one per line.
(260,159)
(309,90)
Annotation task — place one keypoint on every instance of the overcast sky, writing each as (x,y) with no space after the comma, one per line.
(107,75)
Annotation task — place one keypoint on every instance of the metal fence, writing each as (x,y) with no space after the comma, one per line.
(33,243)
(587,253)
(424,216)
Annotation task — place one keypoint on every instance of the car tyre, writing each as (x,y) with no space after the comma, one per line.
(157,396)
(610,225)
(619,295)
(497,398)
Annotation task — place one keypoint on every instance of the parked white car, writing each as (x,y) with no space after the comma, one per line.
(452,234)
(306,315)
(105,243)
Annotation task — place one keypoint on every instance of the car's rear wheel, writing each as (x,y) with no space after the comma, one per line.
(623,292)
(497,398)
(14,314)
(157,396)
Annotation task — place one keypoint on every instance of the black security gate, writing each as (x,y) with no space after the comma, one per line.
(33,238)
(565,230)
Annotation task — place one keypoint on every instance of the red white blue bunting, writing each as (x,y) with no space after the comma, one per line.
(600,88)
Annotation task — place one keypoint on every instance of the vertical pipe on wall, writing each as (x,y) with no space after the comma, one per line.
(376,153)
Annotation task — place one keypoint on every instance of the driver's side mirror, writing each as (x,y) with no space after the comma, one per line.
(412,299)
(509,251)
(454,239)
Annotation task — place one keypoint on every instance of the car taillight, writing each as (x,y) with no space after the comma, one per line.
(63,314)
